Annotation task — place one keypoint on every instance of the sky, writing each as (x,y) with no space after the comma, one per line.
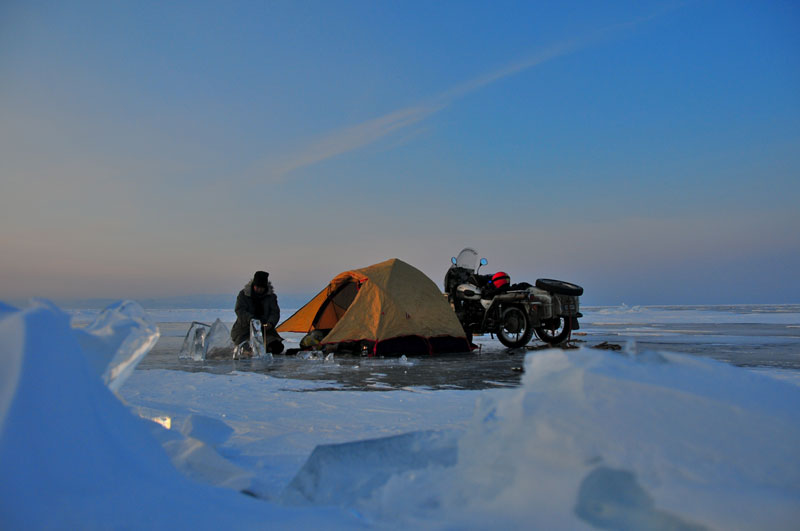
(648,151)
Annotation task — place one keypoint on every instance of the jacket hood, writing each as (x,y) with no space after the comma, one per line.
(248,289)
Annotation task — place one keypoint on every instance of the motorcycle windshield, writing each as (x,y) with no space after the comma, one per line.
(468,259)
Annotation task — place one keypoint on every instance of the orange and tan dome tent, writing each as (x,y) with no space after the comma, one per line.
(391,307)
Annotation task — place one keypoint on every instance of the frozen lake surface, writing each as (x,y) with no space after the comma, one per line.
(579,438)
(743,335)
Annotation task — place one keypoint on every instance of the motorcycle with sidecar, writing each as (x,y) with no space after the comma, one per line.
(513,312)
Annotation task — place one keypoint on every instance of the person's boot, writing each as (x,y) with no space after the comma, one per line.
(276,347)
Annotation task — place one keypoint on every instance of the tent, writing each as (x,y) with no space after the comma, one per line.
(387,308)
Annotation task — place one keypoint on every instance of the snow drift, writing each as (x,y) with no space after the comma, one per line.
(655,441)
(72,456)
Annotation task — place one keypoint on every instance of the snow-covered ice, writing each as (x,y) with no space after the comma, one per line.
(72,456)
(590,439)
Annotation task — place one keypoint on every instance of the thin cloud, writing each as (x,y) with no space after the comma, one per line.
(354,137)
(473,85)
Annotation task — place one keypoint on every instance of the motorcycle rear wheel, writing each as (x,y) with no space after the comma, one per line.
(552,334)
(515,328)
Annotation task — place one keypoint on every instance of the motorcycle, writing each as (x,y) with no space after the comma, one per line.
(550,309)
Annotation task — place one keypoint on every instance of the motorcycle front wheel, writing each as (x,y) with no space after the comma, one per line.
(554,331)
(515,328)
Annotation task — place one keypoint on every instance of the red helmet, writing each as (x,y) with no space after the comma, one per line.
(500,279)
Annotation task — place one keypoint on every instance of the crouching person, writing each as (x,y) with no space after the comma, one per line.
(258,301)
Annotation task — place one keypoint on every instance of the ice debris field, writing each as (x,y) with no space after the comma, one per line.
(590,439)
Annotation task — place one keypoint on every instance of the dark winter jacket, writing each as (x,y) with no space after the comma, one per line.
(251,306)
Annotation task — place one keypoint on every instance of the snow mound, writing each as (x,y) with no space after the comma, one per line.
(656,440)
(705,440)
(72,456)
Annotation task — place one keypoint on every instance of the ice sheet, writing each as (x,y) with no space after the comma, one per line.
(788,314)
(590,438)
(656,440)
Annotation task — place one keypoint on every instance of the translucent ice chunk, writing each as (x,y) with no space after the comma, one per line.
(117,341)
(342,474)
(242,350)
(219,344)
(194,344)
(257,339)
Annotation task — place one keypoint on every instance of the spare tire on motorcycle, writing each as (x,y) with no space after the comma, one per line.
(559,286)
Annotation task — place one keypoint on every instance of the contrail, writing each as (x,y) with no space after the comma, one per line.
(354,137)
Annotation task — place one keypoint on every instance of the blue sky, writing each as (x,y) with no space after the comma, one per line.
(649,151)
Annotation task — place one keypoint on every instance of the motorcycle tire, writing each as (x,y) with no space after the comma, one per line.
(515,328)
(555,335)
(559,286)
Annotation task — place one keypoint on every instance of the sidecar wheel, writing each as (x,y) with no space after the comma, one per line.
(559,286)
(555,331)
(515,328)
